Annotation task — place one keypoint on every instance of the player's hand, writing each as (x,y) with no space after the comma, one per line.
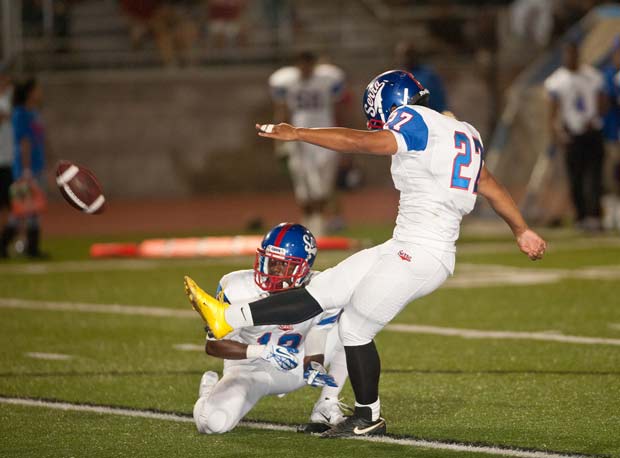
(284,132)
(316,375)
(532,244)
(283,358)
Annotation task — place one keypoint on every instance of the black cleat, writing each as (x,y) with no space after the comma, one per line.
(313,428)
(356,426)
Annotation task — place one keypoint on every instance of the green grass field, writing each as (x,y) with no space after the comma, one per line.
(514,391)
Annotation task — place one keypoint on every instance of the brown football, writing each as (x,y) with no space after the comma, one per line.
(80,187)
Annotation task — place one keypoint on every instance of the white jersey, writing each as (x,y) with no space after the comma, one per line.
(239,286)
(310,101)
(436,169)
(577,94)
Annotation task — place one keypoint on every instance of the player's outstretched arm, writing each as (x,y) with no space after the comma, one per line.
(226,349)
(529,241)
(283,358)
(339,139)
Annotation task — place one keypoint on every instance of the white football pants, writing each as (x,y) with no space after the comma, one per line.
(375,284)
(245,382)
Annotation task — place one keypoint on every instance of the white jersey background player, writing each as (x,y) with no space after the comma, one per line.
(437,165)
(307,94)
(264,360)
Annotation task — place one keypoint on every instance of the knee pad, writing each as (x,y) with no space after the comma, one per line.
(217,422)
(354,329)
(210,421)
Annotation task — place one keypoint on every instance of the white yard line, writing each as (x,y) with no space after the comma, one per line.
(94,409)
(114,309)
(48,356)
(467,275)
(189,347)
(326,259)
(583,243)
(137,310)
(456,447)
(418,443)
(478,334)
(486,278)
(101,265)
(485,275)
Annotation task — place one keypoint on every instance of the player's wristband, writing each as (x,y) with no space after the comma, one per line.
(254,351)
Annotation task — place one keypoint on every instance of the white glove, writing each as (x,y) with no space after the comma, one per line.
(278,356)
(316,375)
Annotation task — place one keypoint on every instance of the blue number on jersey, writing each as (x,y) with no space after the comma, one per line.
(478,150)
(462,159)
(264,339)
(290,340)
(285,340)
(410,124)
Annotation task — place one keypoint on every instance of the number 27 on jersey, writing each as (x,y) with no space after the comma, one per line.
(463,159)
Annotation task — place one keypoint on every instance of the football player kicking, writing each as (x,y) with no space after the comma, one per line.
(438,167)
(263,360)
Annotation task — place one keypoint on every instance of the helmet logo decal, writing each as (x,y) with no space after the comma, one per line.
(276,250)
(310,246)
(374,101)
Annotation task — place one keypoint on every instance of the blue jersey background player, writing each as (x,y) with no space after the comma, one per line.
(408,59)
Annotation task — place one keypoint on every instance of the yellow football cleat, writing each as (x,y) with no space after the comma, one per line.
(209,308)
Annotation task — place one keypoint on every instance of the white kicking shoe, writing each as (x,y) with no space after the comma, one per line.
(327,412)
(207,382)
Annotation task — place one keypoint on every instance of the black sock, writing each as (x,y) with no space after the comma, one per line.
(288,307)
(364,369)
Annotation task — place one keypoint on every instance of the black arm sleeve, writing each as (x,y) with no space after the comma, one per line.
(287,307)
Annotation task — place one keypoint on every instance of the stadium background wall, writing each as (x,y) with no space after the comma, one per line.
(191,132)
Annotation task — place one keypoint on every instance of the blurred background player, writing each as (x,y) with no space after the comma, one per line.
(173,30)
(611,132)
(263,360)
(308,94)
(408,59)
(6,159)
(29,161)
(577,103)
(225,26)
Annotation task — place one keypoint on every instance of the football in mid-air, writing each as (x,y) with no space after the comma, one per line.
(80,187)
